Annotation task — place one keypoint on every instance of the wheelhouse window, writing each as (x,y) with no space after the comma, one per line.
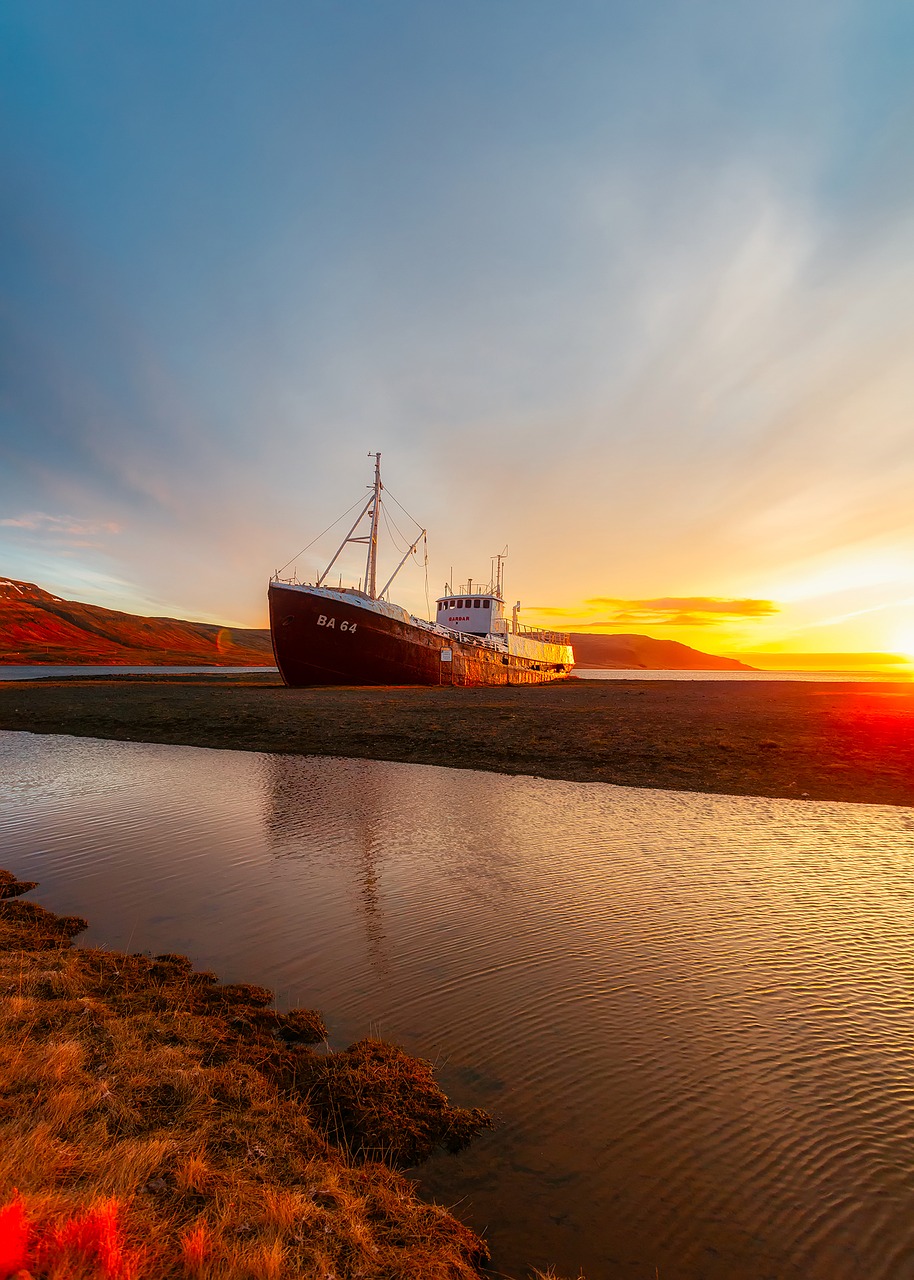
(487,604)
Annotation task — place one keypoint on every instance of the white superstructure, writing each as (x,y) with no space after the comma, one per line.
(480,612)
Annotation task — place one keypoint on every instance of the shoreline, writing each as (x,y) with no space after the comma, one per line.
(850,742)
(179,1126)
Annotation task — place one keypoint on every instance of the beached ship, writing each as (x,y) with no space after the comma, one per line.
(355,635)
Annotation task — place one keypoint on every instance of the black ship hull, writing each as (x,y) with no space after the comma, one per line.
(329,638)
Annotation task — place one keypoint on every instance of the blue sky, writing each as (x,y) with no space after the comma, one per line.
(626,286)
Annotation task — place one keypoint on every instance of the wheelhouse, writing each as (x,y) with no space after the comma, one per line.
(473,613)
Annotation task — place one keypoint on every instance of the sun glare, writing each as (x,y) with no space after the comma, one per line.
(902,641)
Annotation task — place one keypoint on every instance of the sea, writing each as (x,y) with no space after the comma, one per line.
(748,677)
(692,1015)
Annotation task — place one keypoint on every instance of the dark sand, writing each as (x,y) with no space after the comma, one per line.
(792,739)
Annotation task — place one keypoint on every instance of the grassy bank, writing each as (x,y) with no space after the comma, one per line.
(155,1123)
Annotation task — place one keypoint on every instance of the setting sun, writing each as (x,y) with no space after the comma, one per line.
(902,641)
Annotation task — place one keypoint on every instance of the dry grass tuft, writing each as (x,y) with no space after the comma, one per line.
(155,1124)
(10,887)
(385,1105)
(304,1025)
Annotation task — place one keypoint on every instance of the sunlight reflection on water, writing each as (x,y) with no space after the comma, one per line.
(692,1013)
(897,675)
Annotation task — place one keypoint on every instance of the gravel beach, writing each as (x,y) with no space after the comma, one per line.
(848,742)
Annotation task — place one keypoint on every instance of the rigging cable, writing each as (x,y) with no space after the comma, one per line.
(320,535)
(428,603)
(403,509)
(389,520)
(390,531)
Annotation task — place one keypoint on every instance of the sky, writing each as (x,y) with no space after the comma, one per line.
(627,288)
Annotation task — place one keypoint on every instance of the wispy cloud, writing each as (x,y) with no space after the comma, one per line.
(835,619)
(678,317)
(60,526)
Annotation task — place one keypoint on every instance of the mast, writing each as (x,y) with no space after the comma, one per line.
(371,566)
(371,508)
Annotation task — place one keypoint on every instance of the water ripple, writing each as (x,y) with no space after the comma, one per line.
(694,1014)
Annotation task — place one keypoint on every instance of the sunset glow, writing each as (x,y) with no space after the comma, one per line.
(630,291)
(903,641)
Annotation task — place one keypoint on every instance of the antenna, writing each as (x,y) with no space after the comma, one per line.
(499,559)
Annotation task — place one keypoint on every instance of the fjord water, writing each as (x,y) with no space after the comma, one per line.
(692,1014)
(900,675)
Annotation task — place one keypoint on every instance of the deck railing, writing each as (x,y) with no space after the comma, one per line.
(505,626)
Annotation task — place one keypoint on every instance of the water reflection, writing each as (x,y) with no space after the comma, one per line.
(311,814)
(693,1013)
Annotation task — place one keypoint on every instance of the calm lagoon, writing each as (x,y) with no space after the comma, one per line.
(693,1014)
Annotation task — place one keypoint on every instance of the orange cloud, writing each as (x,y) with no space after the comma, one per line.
(680,611)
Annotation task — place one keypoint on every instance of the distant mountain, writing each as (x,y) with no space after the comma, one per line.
(37,627)
(615,651)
